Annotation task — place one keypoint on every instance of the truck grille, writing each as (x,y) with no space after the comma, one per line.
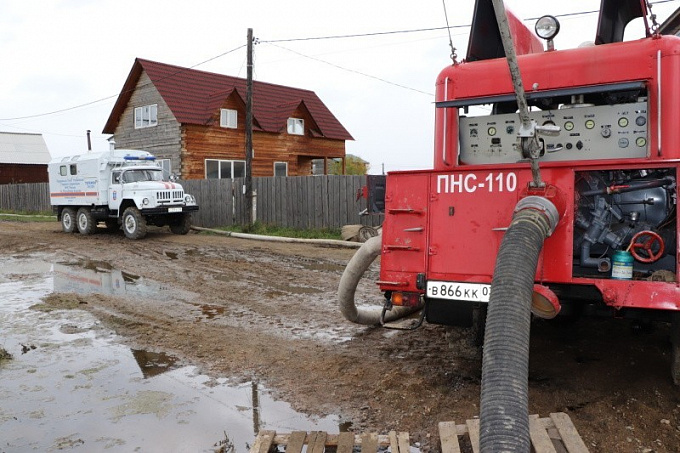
(170,196)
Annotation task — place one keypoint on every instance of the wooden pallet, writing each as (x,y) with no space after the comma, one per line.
(317,441)
(556,434)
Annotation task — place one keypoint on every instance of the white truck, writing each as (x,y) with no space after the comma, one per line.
(119,187)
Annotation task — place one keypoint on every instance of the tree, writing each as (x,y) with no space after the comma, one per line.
(354,165)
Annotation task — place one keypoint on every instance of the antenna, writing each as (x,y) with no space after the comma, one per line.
(448,29)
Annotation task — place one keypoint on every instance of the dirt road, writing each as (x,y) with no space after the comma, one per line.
(265,311)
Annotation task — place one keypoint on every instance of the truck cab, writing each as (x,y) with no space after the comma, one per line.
(121,188)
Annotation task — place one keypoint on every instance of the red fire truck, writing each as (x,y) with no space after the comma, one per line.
(557,197)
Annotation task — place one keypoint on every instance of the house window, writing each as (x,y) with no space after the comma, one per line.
(224,169)
(296,126)
(228,118)
(280,168)
(167,168)
(146,116)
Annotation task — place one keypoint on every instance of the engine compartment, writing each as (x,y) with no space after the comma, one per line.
(631,211)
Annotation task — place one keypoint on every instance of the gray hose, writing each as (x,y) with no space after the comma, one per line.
(355,269)
(504,408)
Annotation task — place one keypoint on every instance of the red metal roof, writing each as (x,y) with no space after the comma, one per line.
(194,97)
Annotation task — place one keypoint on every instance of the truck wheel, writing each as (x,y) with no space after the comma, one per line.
(86,224)
(134,223)
(68,220)
(182,226)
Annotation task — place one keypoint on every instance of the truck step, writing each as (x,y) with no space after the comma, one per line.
(318,441)
(554,434)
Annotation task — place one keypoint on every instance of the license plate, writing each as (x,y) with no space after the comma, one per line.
(175,209)
(473,292)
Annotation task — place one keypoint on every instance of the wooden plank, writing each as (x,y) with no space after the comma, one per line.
(342,214)
(394,442)
(404,442)
(448,437)
(318,201)
(316,442)
(345,443)
(568,433)
(473,432)
(263,442)
(539,436)
(296,441)
(369,443)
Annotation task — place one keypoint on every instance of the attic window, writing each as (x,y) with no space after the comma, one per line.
(146,116)
(296,126)
(228,118)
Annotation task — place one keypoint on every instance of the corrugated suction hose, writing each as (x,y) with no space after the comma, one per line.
(355,269)
(504,424)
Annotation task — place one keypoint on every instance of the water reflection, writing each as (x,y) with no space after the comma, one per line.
(82,387)
(153,363)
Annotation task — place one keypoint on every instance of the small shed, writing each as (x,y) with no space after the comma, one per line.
(23,158)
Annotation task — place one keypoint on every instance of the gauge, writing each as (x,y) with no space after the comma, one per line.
(623,121)
(590,124)
(492,131)
(568,126)
(641,141)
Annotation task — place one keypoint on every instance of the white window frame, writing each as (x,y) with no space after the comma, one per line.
(229,118)
(219,167)
(296,126)
(146,116)
(286,168)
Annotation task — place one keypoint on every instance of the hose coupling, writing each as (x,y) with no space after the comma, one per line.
(542,205)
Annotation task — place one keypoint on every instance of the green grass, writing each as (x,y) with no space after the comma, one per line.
(19,216)
(270,230)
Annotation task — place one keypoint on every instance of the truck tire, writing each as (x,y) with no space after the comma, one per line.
(182,226)
(68,220)
(134,223)
(86,223)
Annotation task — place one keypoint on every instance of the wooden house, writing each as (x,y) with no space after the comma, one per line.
(23,158)
(194,122)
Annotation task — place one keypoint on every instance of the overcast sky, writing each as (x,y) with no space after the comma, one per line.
(57,54)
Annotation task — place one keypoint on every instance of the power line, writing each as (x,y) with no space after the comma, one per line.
(54,112)
(350,70)
(313,38)
(362,35)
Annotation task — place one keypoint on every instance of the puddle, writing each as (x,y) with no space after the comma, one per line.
(72,384)
(87,277)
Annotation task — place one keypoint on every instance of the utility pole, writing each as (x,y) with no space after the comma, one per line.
(249,131)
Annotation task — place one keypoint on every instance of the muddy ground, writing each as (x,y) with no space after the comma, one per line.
(267,311)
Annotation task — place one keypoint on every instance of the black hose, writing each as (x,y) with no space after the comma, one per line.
(504,409)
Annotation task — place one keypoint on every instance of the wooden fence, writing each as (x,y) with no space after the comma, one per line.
(296,201)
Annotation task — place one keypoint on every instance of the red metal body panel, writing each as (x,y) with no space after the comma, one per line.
(448,223)
(524,39)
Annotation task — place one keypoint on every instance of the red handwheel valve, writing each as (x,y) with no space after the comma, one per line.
(646,246)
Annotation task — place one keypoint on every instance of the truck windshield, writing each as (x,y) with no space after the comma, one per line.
(142,175)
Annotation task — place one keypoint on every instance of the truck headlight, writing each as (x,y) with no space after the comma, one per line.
(145,201)
(189,199)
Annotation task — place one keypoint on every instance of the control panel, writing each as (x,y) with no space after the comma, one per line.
(587,132)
